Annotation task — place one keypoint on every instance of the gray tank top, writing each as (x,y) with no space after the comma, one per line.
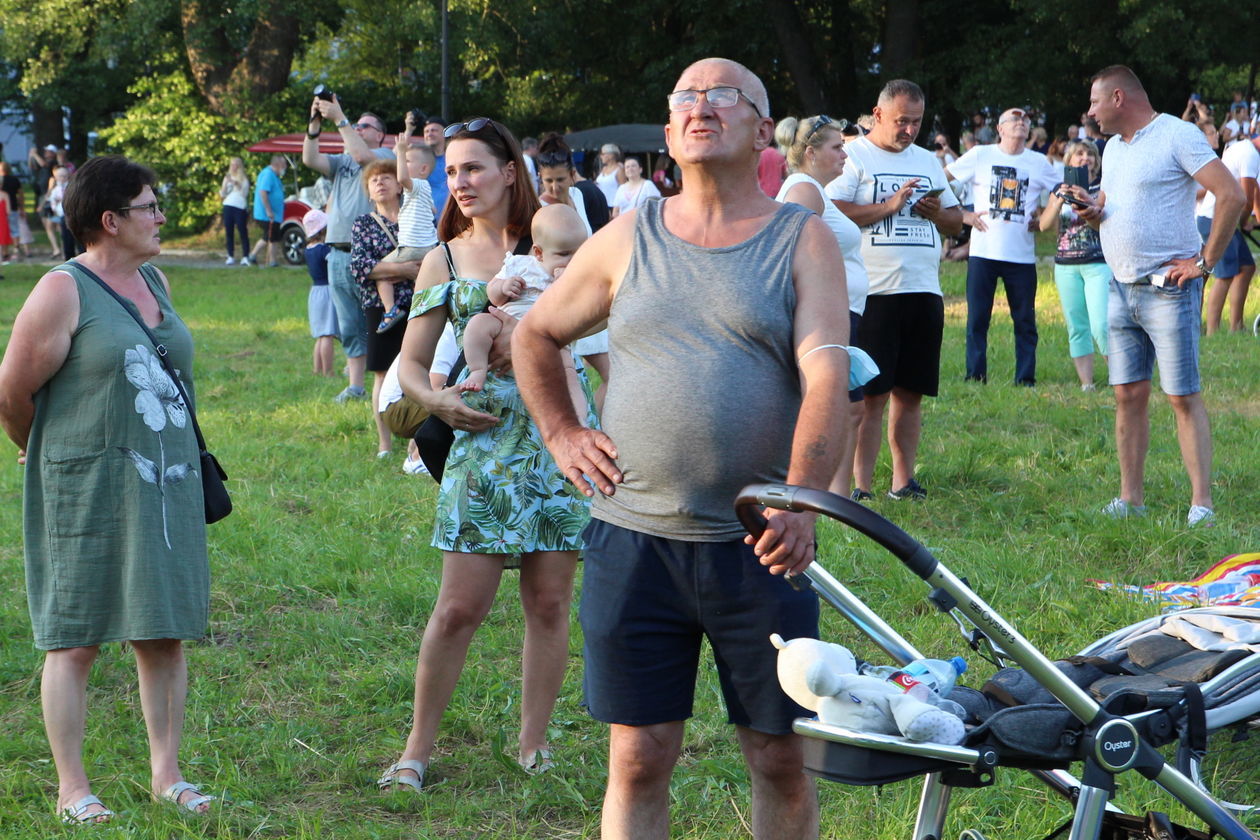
(703,385)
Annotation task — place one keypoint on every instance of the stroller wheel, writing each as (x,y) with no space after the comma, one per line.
(1229,771)
(971,834)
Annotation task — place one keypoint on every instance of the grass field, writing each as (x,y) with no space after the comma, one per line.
(324,577)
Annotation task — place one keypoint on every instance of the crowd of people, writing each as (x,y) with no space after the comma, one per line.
(791,265)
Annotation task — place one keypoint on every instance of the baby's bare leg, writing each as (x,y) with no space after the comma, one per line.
(576,394)
(480,333)
(385,289)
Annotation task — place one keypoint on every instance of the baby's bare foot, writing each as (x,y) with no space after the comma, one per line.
(475,382)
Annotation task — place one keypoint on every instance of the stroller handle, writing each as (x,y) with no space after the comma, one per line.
(788,497)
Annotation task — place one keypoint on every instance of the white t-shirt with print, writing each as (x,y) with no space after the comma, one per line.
(1243,161)
(1150,188)
(1006,191)
(902,253)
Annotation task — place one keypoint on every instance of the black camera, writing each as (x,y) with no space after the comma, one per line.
(322,92)
(418,118)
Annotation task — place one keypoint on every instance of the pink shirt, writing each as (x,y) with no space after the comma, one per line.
(771,170)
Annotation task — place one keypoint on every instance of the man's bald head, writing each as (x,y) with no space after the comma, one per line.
(745,79)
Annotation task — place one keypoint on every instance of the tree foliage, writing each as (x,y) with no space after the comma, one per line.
(184,84)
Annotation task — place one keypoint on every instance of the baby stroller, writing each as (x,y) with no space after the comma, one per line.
(1108,709)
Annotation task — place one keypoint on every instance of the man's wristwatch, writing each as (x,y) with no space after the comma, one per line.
(1204,268)
(343,123)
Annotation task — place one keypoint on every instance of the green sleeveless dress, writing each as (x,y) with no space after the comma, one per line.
(113,515)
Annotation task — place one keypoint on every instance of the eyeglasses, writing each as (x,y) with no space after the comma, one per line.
(1014,116)
(364,125)
(475,124)
(823,120)
(719,97)
(152,207)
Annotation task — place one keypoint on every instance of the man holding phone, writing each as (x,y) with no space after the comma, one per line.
(1145,218)
(1007,181)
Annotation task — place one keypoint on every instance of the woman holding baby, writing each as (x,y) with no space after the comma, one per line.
(501,495)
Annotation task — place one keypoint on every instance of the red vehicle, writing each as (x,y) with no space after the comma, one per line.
(293,238)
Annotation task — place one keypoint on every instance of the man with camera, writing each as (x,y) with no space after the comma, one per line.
(1006,182)
(361,144)
(1145,218)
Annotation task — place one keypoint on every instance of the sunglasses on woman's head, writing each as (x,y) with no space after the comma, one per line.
(475,124)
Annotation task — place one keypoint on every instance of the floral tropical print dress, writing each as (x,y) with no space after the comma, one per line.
(501,491)
(113,515)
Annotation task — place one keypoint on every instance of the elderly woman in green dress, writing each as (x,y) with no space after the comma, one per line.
(113,518)
(501,493)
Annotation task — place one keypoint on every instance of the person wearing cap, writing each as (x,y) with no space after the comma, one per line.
(319,305)
(1007,181)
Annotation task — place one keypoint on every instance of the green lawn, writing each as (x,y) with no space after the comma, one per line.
(324,577)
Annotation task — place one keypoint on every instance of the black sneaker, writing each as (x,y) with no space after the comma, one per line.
(910,491)
(860,495)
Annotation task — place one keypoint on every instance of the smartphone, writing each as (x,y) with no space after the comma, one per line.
(1071,199)
(933,193)
(1076,176)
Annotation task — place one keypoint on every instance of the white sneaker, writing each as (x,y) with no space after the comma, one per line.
(1201,517)
(1120,509)
(414,466)
(231,261)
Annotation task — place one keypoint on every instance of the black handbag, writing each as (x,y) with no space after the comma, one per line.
(218,503)
(435,436)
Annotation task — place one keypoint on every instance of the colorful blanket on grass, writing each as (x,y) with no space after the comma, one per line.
(1233,582)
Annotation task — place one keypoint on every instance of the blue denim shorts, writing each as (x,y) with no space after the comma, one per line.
(1236,253)
(648,602)
(1148,325)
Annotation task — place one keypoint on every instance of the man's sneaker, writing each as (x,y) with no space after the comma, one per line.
(230,261)
(350,393)
(1201,517)
(910,491)
(860,495)
(1118,508)
(247,261)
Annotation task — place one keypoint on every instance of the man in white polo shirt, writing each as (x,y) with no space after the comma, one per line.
(1007,181)
(1145,218)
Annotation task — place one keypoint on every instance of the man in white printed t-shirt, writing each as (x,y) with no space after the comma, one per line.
(1145,218)
(896,192)
(1236,266)
(1007,181)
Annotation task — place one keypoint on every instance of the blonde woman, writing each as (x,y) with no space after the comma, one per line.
(235,194)
(1080,273)
(611,172)
(815,154)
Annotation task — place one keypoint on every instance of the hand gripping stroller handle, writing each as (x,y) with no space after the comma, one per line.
(791,497)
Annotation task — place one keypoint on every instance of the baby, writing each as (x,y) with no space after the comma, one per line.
(557,232)
(417,233)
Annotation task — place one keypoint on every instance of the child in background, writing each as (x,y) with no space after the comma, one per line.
(319,306)
(417,231)
(557,231)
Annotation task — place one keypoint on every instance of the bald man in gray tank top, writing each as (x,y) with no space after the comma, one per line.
(727,320)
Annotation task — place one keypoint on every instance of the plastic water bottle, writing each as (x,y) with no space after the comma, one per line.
(938,675)
(928,680)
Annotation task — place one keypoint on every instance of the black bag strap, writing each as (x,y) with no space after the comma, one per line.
(158,346)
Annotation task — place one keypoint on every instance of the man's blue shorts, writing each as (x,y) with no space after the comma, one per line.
(648,601)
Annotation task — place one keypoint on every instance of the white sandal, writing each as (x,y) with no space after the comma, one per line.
(77,814)
(392,777)
(173,793)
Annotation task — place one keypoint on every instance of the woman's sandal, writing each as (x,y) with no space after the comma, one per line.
(77,814)
(393,776)
(172,794)
(390,319)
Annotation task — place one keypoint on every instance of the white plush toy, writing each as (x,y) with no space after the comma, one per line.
(822,676)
